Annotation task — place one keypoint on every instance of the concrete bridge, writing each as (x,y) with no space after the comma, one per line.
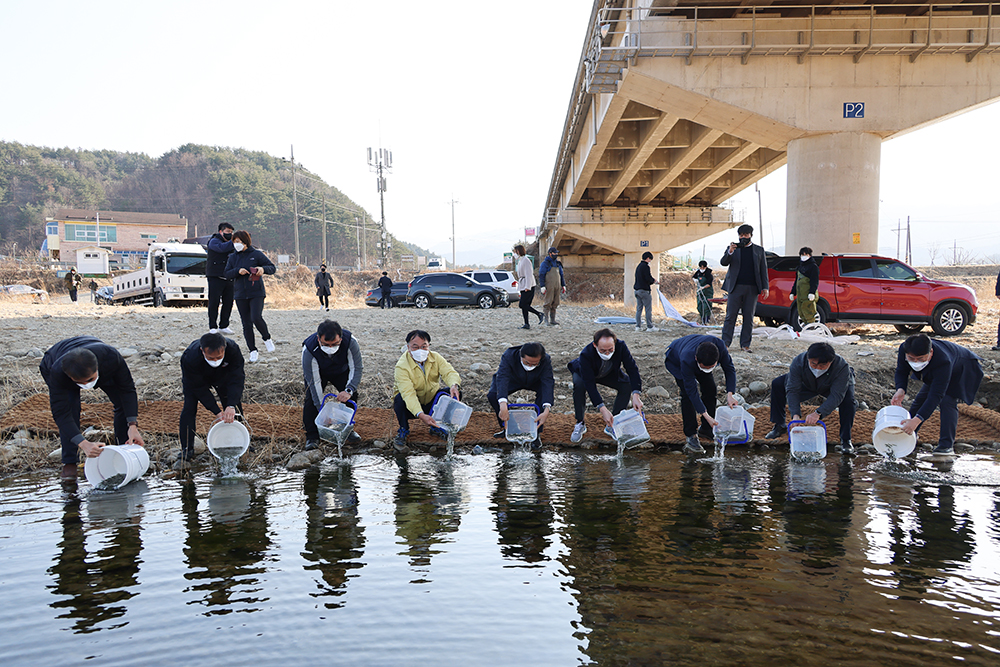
(680,104)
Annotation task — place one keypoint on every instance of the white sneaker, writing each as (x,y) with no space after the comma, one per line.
(578,432)
(269,345)
(226,330)
(652,329)
(213,331)
(254,356)
(638,328)
(322,308)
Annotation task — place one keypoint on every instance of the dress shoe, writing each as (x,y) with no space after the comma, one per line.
(776,432)
(692,446)
(311,445)
(500,434)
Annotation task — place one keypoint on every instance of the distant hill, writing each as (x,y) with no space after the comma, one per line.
(249,189)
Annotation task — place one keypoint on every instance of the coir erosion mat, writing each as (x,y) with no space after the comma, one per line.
(976,425)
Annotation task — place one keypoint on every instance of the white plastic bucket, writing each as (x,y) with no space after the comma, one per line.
(451,414)
(735,423)
(228,441)
(807,442)
(888,437)
(128,461)
(335,419)
(629,427)
(521,424)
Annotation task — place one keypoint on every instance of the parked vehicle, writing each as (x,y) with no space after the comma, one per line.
(452,289)
(398,295)
(504,280)
(105,296)
(871,289)
(174,273)
(436,264)
(24,293)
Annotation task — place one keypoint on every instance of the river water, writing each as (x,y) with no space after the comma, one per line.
(516,558)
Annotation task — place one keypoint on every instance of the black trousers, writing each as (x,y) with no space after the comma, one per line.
(252,315)
(309,408)
(949,415)
(622,399)
(386,300)
(743,299)
(495,402)
(220,293)
(190,411)
(527,296)
(70,451)
(847,407)
(324,300)
(72,295)
(403,414)
(709,395)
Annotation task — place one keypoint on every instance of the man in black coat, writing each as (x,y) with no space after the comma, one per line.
(745,281)
(212,362)
(691,360)
(642,287)
(819,371)
(385,285)
(84,362)
(608,362)
(329,356)
(220,288)
(528,367)
(950,374)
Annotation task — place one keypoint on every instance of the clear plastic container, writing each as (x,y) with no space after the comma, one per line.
(735,424)
(805,441)
(450,414)
(521,424)
(629,427)
(335,420)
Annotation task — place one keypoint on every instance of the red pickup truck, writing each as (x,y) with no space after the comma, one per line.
(872,289)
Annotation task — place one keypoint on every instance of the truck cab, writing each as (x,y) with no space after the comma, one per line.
(174,273)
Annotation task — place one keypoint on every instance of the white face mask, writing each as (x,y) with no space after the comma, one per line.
(527,367)
(332,349)
(89,385)
(817,371)
(707,370)
(804,258)
(918,365)
(239,247)
(420,356)
(214,363)
(606,357)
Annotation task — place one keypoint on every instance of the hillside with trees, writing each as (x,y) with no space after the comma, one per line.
(249,189)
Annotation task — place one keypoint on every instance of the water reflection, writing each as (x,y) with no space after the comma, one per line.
(225,550)
(428,507)
(522,508)
(97,560)
(334,535)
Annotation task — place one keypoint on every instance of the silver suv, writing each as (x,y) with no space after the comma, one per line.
(504,280)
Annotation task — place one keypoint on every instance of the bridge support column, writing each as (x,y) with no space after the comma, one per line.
(832,200)
(632,260)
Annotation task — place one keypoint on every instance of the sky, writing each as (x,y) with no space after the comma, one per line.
(470,97)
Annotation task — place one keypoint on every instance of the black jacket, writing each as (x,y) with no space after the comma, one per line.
(385,283)
(953,371)
(218,251)
(733,262)
(198,378)
(832,384)
(113,378)
(318,367)
(681,363)
(589,363)
(811,271)
(511,376)
(244,287)
(643,277)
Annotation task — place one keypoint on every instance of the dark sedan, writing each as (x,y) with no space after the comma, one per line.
(398,294)
(453,289)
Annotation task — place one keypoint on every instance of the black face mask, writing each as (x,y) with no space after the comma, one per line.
(227,235)
(744,242)
(322,269)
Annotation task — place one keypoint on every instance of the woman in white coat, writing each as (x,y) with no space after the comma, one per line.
(526,284)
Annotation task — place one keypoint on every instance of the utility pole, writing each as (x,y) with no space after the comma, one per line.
(454,264)
(364,238)
(325,255)
(357,228)
(295,208)
(899,237)
(381,162)
(909,249)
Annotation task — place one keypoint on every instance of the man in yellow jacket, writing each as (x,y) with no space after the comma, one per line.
(418,376)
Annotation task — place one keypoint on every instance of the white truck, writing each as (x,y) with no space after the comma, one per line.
(174,274)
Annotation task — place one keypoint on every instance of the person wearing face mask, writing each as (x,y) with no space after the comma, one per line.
(950,374)
(642,288)
(247,266)
(220,288)
(385,286)
(331,356)
(691,360)
(745,281)
(819,371)
(417,384)
(608,362)
(522,367)
(553,282)
(324,283)
(803,291)
(81,363)
(211,362)
(703,284)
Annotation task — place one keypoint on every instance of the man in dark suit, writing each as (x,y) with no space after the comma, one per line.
(608,362)
(528,367)
(691,360)
(220,288)
(385,285)
(819,371)
(745,280)
(950,374)
(212,362)
(84,362)
(329,356)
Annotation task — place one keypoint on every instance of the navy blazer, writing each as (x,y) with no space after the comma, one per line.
(511,376)
(243,287)
(113,378)
(681,363)
(218,251)
(733,262)
(589,363)
(198,378)
(953,371)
